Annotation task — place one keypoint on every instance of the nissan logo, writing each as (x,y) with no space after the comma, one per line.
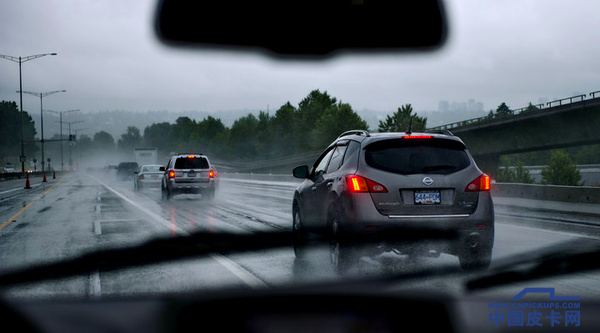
(427,181)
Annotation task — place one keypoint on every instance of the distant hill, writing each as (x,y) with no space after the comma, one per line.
(116,122)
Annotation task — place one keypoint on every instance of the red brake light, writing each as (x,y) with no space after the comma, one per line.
(360,184)
(211,174)
(481,183)
(191,156)
(357,184)
(418,137)
(171,174)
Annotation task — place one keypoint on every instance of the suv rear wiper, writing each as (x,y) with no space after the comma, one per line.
(438,167)
(566,258)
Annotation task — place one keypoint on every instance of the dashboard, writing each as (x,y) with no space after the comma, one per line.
(315,309)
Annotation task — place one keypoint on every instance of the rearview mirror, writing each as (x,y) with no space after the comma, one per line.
(304,28)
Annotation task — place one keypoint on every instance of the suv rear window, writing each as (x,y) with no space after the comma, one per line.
(191,163)
(412,156)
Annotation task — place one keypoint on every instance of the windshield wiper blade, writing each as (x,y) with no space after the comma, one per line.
(438,167)
(196,244)
(566,258)
(151,252)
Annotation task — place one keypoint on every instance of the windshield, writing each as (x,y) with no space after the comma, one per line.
(86,84)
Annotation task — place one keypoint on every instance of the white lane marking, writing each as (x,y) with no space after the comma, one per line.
(243,274)
(18,188)
(95,285)
(155,216)
(97,228)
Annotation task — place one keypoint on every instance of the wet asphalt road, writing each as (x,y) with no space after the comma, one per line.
(77,213)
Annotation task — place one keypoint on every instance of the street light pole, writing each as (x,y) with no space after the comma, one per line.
(62,166)
(70,157)
(77,151)
(21,60)
(41,95)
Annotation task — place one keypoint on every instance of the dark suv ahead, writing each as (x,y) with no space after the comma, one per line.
(367,183)
(188,173)
(126,170)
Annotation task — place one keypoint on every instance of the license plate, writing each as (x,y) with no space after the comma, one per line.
(427,197)
(191,174)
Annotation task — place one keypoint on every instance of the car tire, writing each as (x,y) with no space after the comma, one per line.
(209,195)
(341,254)
(299,234)
(475,258)
(164,193)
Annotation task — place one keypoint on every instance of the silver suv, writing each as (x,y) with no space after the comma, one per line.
(188,173)
(367,183)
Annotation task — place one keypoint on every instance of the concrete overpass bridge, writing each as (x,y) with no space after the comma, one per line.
(568,122)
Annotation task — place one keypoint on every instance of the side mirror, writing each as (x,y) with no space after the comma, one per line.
(135,172)
(301,172)
(162,168)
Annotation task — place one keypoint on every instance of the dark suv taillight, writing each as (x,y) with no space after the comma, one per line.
(481,183)
(358,184)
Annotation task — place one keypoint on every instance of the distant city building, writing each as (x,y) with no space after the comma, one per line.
(471,105)
(458,106)
(444,106)
(474,106)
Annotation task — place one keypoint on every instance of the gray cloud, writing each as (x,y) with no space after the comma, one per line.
(108,58)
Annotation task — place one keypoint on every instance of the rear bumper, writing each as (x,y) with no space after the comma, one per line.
(149,182)
(193,188)
(361,217)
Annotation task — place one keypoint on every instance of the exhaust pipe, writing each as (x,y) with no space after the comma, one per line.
(473,240)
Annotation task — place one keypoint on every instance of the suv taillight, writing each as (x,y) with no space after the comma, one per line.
(211,174)
(358,184)
(417,137)
(171,174)
(481,183)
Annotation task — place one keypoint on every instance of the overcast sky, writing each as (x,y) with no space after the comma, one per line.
(517,52)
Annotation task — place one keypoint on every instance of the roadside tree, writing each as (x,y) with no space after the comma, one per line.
(401,119)
(561,170)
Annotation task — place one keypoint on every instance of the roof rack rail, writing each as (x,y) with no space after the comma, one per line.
(440,131)
(356,132)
